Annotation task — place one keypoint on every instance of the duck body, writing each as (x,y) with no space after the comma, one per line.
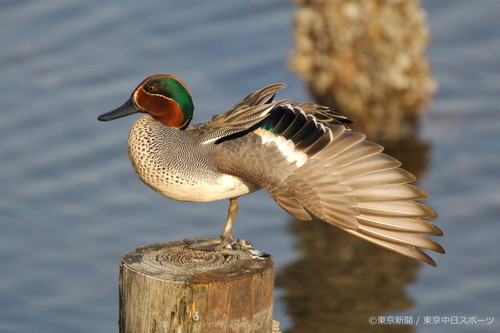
(177,164)
(303,154)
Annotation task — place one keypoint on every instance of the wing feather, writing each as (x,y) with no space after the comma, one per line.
(341,178)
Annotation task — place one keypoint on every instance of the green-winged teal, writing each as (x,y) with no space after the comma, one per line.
(301,153)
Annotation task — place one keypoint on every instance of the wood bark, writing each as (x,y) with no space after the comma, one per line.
(170,288)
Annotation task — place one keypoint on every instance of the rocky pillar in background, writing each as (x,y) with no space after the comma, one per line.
(365,58)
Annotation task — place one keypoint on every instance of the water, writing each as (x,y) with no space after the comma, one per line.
(71,204)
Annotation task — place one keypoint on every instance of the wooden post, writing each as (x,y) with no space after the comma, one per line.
(168,287)
(365,58)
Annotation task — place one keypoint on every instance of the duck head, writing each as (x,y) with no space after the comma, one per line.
(165,97)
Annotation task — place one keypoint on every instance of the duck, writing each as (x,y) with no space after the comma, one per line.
(303,154)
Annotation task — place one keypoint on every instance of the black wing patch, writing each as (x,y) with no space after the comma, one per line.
(308,133)
(293,124)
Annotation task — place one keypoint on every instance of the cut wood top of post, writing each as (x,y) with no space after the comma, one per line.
(174,261)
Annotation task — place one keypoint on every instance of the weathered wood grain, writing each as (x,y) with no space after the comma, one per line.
(170,288)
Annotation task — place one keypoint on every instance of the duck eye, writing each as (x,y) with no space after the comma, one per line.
(152,88)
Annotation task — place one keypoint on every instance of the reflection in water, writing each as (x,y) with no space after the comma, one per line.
(341,281)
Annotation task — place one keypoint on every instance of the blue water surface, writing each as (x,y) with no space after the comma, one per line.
(70,203)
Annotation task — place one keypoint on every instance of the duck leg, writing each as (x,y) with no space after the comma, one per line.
(214,244)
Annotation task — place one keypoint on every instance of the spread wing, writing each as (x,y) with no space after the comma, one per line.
(310,163)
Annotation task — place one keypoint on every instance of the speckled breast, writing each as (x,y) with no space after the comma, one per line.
(164,160)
